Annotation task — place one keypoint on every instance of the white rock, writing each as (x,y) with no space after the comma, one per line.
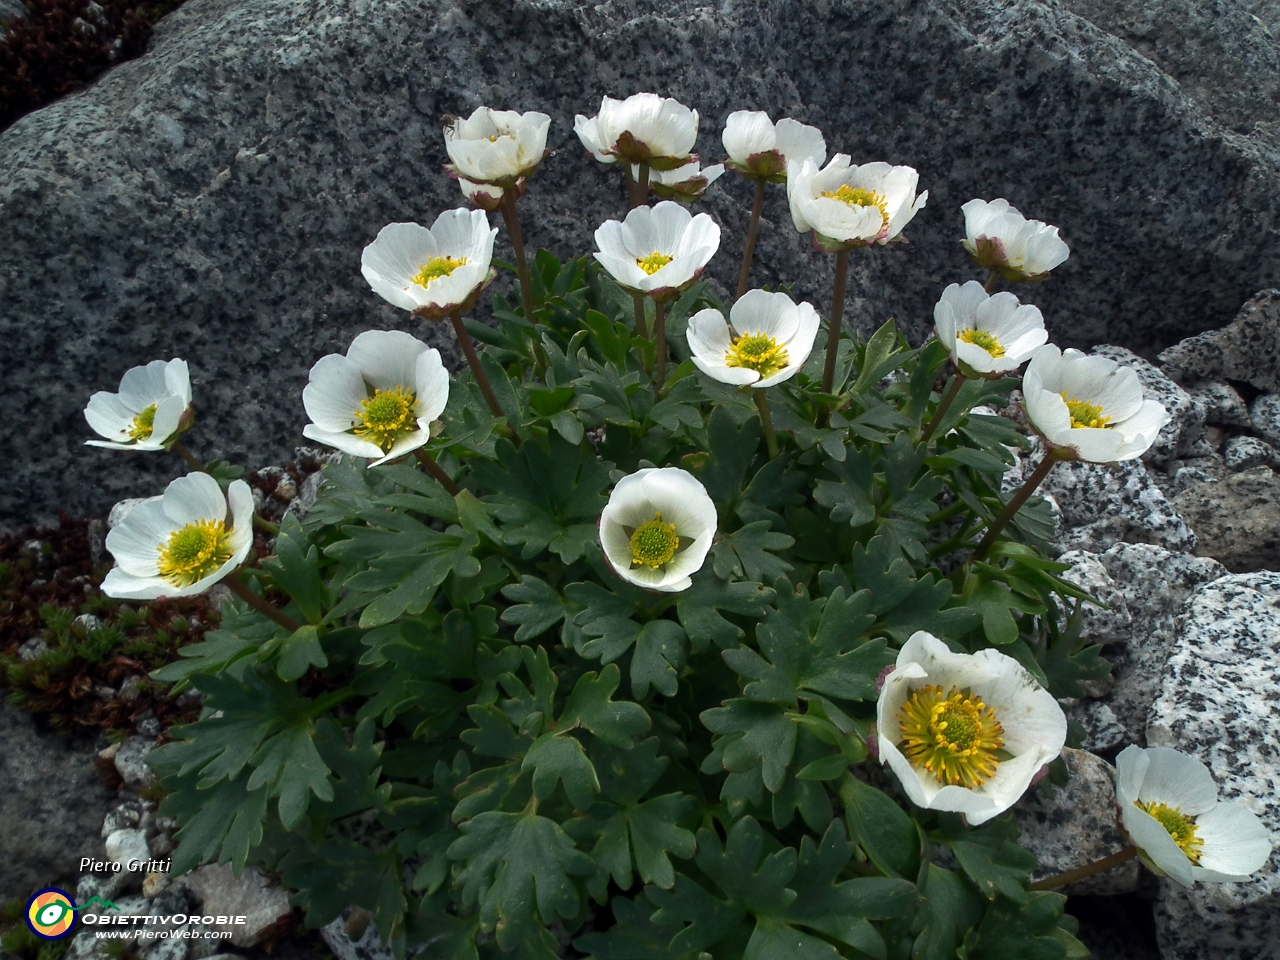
(125,845)
(88,621)
(1098,625)
(250,895)
(368,947)
(32,649)
(1264,414)
(1104,504)
(131,764)
(127,816)
(1218,702)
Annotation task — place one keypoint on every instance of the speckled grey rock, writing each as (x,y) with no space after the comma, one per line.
(210,199)
(131,762)
(1102,731)
(1105,504)
(1223,405)
(1155,582)
(1247,349)
(250,895)
(1241,453)
(1237,520)
(368,947)
(1188,473)
(1218,702)
(1098,625)
(1077,826)
(1264,415)
(1188,416)
(172,902)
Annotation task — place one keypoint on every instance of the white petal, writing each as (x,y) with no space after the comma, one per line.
(1131,768)
(142,386)
(406,443)
(1178,780)
(700,233)
(799,347)
(177,380)
(125,586)
(398,293)
(1153,840)
(762,312)
(977,358)
(136,540)
(708,336)
(334,393)
(624,270)
(107,414)
(458,233)
(1140,430)
(386,358)
(1235,843)
(747,132)
(799,141)
(432,386)
(194,497)
(167,417)
(346,442)
(398,253)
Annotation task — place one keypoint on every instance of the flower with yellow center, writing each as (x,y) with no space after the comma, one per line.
(987,334)
(657,527)
(1169,807)
(1000,238)
(658,250)
(496,147)
(1089,407)
(434,272)
(852,206)
(379,400)
(653,262)
(150,410)
(965,732)
(181,543)
(767,339)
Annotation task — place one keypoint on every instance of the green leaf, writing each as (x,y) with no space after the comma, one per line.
(708,919)
(341,873)
(658,658)
(634,936)
(994,861)
(554,758)
(295,569)
(752,733)
(655,836)
(880,357)
(699,609)
(1026,931)
(849,495)
(748,552)
(774,940)
(995,601)
(218,824)
(881,828)
(731,450)
(540,610)
(299,652)
(290,767)
(757,881)
(948,908)
(591,706)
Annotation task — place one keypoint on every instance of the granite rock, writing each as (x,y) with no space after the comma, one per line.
(1106,504)
(220,892)
(1237,520)
(1223,405)
(172,902)
(1077,826)
(1098,625)
(1241,453)
(1264,415)
(1103,732)
(183,207)
(1247,349)
(125,845)
(368,946)
(131,762)
(1188,416)
(1217,702)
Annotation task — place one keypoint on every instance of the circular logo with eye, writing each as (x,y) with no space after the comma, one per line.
(51,913)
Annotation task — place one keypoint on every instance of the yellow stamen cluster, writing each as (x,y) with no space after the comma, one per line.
(437,267)
(654,543)
(758,352)
(981,338)
(1181,827)
(653,262)
(1085,414)
(860,197)
(194,552)
(953,736)
(144,424)
(383,417)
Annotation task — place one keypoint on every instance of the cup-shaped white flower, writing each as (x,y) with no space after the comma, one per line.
(436,271)
(987,334)
(767,339)
(658,250)
(687,183)
(965,732)
(181,543)
(1002,239)
(380,399)
(147,412)
(497,147)
(484,195)
(1170,809)
(852,206)
(1089,408)
(760,149)
(644,128)
(657,527)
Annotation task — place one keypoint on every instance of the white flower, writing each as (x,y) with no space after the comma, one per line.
(762,150)
(1089,406)
(965,732)
(433,272)
(148,410)
(657,250)
(686,183)
(379,400)
(1000,237)
(987,334)
(496,146)
(657,527)
(848,206)
(180,544)
(484,195)
(644,128)
(1169,805)
(770,339)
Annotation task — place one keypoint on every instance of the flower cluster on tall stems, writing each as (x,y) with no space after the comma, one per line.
(148,412)
(657,528)
(645,130)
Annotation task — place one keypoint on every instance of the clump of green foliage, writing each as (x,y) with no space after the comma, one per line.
(17,940)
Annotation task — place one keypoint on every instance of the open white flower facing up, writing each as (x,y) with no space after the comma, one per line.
(1170,809)
(496,147)
(987,334)
(644,128)
(687,183)
(852,206)
(767,339)
(657,527)
(1002,239)
(181,543)
(760,149)
(436,271)
(1089,408)
(658,250)
(147,412)
(965,732)
(380,399)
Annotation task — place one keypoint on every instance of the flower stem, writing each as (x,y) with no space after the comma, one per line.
(992,277)
(469,348)
(642,325)
(753,229)
(944,405)
(766,419)
(642,186)
(512,220)
(631,186)
(266,526)
(264,608)
(1088,870)
(837,311)
(660,344)
(1013,506)
(437,471)
(187,456)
